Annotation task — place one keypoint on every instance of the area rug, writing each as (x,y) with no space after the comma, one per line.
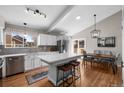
(34,78)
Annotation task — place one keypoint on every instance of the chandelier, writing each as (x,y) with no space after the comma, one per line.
(95,33)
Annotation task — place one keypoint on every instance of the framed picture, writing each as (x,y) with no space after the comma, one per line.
(81,43)
(106,42)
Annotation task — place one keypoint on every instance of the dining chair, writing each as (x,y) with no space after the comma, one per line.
(97,52)
(109,62)
(117,61)
(87,58)
(107,52)
(96,60)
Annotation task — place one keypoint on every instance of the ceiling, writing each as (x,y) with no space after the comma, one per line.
(59,17)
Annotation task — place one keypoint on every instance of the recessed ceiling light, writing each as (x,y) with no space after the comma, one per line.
(78,17)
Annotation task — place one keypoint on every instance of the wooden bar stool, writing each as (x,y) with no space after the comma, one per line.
(76,69)
(67,71)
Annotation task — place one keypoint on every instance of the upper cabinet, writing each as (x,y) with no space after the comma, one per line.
(2,26)
(53,40)
(44,39)
(1,37)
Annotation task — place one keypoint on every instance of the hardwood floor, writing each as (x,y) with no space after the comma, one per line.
(95,76)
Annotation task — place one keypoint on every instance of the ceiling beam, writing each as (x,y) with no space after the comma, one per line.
(59,18)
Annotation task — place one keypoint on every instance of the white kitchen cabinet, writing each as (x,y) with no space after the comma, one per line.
(2,26)
(54,41)
(37,62)
(49,40)
(1,37)
(32,60)
(29,62)
(44,39)
(38,40)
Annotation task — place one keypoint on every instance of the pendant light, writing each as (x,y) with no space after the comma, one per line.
(25,35)
(95,33)
(25,24)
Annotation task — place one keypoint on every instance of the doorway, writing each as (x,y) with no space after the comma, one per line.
(78,46)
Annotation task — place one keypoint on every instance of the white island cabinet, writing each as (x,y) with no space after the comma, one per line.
(44,39)
(53,61)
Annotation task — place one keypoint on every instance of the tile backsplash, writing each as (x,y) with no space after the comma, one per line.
(1,49)
(27,50)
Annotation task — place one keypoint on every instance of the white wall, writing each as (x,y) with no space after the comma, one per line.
(2,22)
(123,45)
(123,35)
(110,26)
(2,26)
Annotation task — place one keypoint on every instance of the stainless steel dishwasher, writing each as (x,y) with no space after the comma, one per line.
(14,65)
(1,65)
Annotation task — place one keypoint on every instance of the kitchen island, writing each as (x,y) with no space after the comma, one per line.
(53,61)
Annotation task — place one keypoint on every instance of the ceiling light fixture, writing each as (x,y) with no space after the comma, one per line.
(95,33)
(35,12)
(78,17)
(27,10)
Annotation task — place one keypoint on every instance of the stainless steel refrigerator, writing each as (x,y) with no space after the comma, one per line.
(62,46)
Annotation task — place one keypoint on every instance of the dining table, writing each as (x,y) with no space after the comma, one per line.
(101,57)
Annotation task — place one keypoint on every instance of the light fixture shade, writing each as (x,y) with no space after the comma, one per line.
(95,33)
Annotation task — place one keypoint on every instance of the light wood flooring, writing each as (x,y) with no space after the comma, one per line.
(95,76)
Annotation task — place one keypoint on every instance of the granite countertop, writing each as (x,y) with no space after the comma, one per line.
(11,55)
(53,59)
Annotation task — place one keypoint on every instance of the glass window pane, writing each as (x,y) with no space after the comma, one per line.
(14,39)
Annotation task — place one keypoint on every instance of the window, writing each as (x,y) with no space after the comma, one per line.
(20,38)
